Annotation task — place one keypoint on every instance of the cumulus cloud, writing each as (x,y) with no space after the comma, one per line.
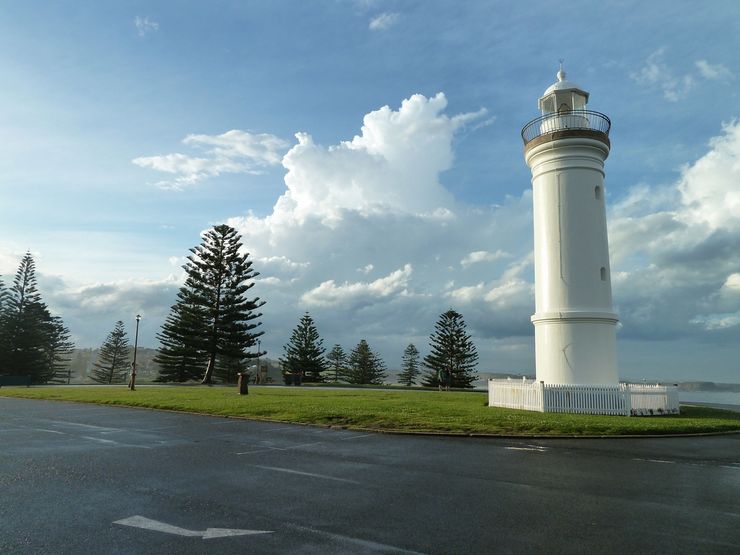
(676,84)
(374,205)
(482,256)
(393,165)
(144,25)
(235,151)
(329,293)
(383,21)
(675,248)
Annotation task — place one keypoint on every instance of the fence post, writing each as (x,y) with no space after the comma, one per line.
(542,396)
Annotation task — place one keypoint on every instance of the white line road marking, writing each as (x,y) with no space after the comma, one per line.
(268,448)
(138,521)
(89,426)
(298,472)
(655,461)
(356,437)
(534,448)
(111,442)
(371,545)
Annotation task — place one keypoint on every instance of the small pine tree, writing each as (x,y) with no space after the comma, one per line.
(113,363)
(365,367)
(452,350)
(337,359)
(304,353)
(409,365)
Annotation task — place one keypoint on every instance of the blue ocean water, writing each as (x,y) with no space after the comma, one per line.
(706,397)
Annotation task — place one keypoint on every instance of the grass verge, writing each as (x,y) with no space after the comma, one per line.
(399,411)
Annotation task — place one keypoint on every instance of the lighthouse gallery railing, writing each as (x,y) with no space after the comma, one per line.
(565,121)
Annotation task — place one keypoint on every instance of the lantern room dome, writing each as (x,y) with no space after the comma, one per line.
(563,95)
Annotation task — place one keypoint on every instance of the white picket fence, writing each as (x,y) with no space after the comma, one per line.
(622,399)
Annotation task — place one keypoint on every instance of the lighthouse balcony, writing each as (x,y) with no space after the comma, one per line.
(563,124)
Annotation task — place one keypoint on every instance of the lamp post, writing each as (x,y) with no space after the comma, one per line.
(132,381)
(259,367)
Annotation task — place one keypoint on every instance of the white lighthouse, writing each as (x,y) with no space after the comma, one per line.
(574,321)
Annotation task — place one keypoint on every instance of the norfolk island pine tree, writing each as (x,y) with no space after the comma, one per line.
(337,360)
(113,360)
(27,329)
(409,365)
(452,349)
(304,352)
(212,321)
(365,367)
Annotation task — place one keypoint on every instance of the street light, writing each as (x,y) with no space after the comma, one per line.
(132,381)
(259,368)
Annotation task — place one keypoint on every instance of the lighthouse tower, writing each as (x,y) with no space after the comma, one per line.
(574,321)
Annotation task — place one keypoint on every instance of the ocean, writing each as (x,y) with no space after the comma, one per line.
(713,397)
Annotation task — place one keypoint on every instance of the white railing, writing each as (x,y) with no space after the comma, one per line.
(515,394)
(586,399)
(649,399)
(621,399)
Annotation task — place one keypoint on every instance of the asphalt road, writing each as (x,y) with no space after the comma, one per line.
(92,479)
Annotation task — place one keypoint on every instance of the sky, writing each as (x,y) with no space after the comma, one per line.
(369,153)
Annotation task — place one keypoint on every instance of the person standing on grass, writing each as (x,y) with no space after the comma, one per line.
(132,380)
(444,377)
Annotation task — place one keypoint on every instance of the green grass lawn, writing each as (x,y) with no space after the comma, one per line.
(386,410)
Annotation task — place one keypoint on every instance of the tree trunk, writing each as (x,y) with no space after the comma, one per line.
(207,379)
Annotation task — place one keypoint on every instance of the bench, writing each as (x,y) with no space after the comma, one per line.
(15,380)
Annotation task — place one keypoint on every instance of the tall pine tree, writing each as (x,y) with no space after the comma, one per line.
(212,323)
(452,350)
(24,325)
(337,360)
(113,361)
(409,365)
(365,367)
(304,353)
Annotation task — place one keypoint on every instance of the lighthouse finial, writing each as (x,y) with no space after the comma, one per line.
(561,73)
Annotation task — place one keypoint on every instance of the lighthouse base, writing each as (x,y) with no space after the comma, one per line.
(576,348)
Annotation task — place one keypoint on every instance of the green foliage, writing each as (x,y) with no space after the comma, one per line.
(113,361)
(182,355)
(337,360)
(58,351)
(304,352)
(409,365)
(32,341)
(365,367)
(211,326)
(452,350)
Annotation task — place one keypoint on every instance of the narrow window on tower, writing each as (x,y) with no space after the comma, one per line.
(603,274)
(597,192)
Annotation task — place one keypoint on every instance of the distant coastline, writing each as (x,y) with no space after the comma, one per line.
(712,387)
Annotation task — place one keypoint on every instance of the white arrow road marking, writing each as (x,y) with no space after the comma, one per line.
(138,521)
